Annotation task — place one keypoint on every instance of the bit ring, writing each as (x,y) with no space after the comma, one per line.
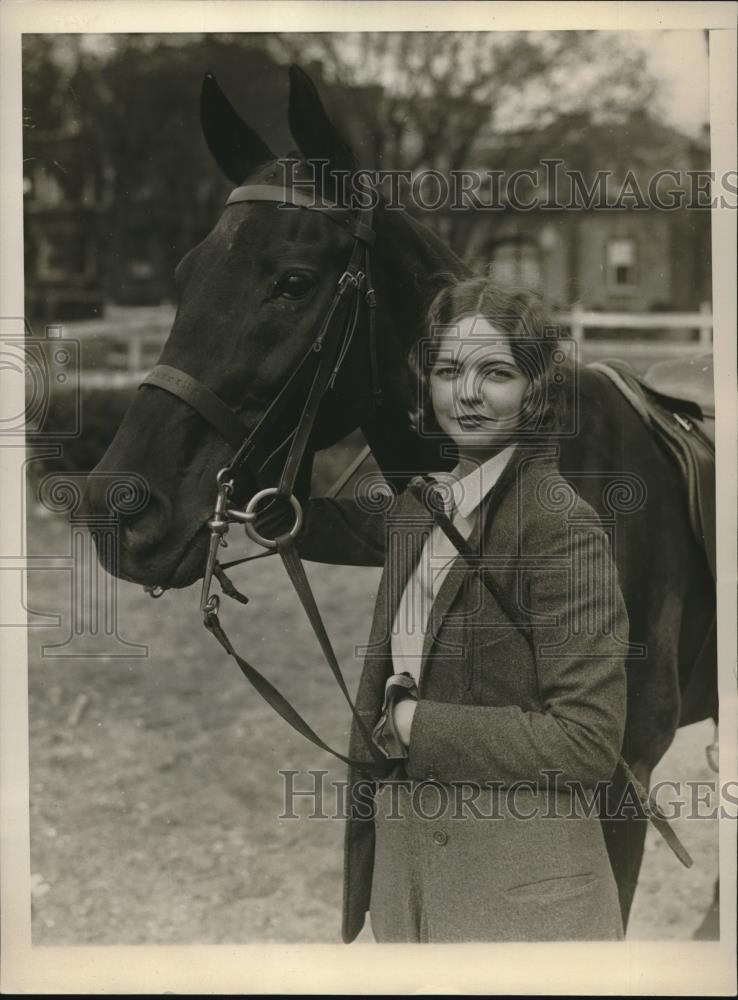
(249,517)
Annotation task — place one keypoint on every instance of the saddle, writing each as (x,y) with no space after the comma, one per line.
(679,409)
(686,380)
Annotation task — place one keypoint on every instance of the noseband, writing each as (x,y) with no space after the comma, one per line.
(326,353)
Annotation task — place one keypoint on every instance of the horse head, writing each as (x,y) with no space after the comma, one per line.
(251,297)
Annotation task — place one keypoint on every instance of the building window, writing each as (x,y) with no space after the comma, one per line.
(62,256)
(47,189)
(621,263)
(516,263)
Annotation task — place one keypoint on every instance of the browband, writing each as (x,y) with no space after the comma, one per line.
(299,199)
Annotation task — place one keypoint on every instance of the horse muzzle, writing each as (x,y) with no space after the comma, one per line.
(150,544)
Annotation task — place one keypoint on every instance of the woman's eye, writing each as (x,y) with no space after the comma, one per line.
(498,374)
(446,371)
(294,285)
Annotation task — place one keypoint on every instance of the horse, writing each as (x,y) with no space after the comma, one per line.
(251,296)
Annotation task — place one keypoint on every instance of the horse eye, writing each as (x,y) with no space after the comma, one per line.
(294,285)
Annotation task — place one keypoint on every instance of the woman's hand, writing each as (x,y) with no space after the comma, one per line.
(403,718)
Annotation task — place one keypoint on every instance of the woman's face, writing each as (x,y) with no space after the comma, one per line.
(476,388)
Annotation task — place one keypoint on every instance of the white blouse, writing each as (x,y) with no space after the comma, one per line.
(413,612)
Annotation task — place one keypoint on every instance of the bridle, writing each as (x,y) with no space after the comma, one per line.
(327,353)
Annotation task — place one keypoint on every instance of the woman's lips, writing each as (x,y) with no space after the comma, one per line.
(473,421)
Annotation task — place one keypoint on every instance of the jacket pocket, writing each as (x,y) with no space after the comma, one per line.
(557,886)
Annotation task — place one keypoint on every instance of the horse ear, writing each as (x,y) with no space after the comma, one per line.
(311,128)
(236,148)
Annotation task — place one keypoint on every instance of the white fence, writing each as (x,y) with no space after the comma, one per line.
(120,349)
(579,320)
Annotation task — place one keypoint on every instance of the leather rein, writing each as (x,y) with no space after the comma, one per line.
(326,354)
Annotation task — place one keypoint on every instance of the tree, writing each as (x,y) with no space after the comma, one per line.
(443,94)
(441,89)
(406,100)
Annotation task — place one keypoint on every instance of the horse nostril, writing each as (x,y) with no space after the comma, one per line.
(142,514)
(115,495)
(144,529)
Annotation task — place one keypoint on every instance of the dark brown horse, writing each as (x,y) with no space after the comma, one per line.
(251,296)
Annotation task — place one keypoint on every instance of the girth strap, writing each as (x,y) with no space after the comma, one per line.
(201,399)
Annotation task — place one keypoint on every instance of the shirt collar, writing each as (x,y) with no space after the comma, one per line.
(469,490)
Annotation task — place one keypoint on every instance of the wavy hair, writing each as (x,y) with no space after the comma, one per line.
(533,341)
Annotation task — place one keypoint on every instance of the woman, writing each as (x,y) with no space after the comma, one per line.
(497,697)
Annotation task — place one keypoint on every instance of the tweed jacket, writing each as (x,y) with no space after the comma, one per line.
(493,705)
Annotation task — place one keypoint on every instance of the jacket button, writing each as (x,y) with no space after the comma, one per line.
(440,838)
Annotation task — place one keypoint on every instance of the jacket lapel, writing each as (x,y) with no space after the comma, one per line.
(408,527)
(448,593)
(459,570)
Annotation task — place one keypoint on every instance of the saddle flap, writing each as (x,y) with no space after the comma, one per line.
(684,380)
(686,443)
